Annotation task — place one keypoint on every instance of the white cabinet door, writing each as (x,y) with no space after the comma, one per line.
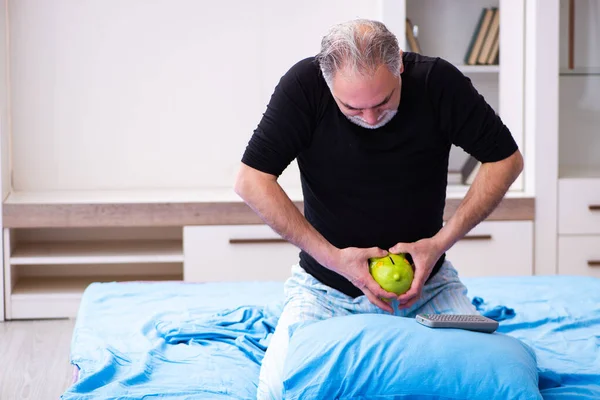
(579,255)
(579,206)
(495,248)
(236,253)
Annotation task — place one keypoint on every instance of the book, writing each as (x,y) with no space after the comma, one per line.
(494,56)
(411,38)
(490,37)
(478,38)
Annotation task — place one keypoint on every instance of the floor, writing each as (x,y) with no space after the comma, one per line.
(34,359)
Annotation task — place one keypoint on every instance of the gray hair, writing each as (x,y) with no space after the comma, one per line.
(362,46)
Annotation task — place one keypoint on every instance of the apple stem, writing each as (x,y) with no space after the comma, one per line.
(392,260)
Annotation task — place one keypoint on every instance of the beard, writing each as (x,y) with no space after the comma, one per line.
(385,117)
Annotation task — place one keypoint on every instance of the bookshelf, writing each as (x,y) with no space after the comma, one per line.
(578,198)
(484,39)
(474,42)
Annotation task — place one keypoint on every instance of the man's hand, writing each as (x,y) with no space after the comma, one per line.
(353,264)
(425,254)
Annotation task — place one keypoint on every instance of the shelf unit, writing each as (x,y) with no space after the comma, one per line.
(104,252)
(580,71)
(47,270)
(563,82)
(479,69)
(578,198)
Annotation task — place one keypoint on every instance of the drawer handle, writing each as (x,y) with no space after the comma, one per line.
(255,241)
(594,263)
(477,237)
(594,207)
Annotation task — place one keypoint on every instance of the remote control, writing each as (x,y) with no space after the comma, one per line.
(477,323)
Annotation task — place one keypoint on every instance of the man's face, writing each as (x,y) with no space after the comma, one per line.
(368,101)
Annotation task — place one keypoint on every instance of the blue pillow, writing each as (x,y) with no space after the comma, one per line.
(383,357)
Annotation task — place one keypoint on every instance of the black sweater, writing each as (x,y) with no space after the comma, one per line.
(364,187)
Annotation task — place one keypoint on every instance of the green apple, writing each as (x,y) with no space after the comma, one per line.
(394,273)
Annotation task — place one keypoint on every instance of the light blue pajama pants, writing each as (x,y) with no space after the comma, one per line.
(308,299)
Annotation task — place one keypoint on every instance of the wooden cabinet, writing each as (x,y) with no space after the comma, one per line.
(495,248)
(255,252)
(579,255)
(579,226)
(579,206)
(236,253)
(55,246)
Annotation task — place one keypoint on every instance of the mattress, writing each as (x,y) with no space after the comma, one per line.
(190,340)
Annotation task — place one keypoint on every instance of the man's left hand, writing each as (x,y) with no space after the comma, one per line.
(425,253)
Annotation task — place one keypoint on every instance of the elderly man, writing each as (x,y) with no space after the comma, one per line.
(371,128)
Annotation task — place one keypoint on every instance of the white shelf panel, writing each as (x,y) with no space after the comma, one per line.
(120,196)
(483,69)
(580,71)
(133,196)
(72,287)
(109,252)
(35,297)
(460,191)
(126,197)
(579,171)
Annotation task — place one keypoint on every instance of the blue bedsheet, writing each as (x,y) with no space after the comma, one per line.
(176,341)
(172,340)
(559,317)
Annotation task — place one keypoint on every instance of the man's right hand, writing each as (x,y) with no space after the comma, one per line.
(353,264)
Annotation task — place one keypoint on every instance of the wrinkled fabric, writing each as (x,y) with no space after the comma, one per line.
(206,341)
(172,340)
(383,357)
(308,301)
(497,313)
(559,317)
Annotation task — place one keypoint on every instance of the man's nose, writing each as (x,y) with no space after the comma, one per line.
(370,116)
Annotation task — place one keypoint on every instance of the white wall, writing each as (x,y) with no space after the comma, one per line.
(4,143)
(4,111)
(183,82)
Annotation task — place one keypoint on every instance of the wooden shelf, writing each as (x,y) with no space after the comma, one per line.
(70,209)
(148,209)
(580,71)
(72,287)
(59,297)
(107,252)
(579,171)
(164,196)
(483,69)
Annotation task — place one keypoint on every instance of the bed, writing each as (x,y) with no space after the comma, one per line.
(206,340)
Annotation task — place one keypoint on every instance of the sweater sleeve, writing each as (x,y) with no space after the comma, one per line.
(465,117)
(286,126)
